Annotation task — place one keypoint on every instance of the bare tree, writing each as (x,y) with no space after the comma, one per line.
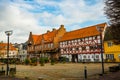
(112,10)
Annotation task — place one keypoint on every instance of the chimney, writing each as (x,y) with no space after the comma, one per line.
(30,33)
(53,29)
(48,31)
(62,26)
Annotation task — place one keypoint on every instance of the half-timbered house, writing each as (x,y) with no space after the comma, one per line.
(82,45)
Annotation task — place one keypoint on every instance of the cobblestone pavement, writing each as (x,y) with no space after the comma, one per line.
(10,78)
(67,71)
(107,76)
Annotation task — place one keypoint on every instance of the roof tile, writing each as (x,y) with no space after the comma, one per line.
(81,33)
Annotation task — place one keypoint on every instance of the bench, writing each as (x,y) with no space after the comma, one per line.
(113,68)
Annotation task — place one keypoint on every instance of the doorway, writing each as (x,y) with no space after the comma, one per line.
(75,58)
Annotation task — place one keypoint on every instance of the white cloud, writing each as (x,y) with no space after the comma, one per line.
(20,21)
(20,17)
(72,11)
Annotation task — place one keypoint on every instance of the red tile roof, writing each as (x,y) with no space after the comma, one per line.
(48,37)
(3,46)
(81,33)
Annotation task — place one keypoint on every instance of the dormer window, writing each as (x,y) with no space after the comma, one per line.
(110,44)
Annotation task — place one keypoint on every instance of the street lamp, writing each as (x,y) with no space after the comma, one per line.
(100,29)
(8,33)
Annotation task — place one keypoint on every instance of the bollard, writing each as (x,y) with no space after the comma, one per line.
(85,73)
(2,68)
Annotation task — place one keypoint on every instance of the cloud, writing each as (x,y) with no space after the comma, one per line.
(38,16)
(20,21)
(70,12)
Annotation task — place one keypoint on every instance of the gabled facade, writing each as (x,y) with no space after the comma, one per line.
(82,45)
(112,50)
(13,52)
(45,44)
(22,51)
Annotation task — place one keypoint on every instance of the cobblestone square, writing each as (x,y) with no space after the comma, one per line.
(60,71)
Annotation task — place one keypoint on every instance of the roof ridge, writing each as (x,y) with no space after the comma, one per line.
(87,27)
(82,32)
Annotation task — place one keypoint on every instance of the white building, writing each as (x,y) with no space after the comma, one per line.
(82,45)
(22,51)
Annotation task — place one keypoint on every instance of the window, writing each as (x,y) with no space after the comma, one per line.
(88,56)
(84,57)
(75,40)
(86,38)
(95,37)
(78,40)
(51,45)
(109,44)
(98,40)
(91,47)
(65,49)
(45,45)
(77,49)
(83,48)
(70,49)
(87,47)
(99,46)
(110,56)
(98,36)
(73,48)
(40,46)
(97,56)
(90,38)
(60,46)
(61,49)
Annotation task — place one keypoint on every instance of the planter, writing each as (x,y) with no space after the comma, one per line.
(2,73)
(12,70)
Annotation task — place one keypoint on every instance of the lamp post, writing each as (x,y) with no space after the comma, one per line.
(8,33)
(100,29)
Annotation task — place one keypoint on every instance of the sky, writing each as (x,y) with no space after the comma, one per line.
(38,16)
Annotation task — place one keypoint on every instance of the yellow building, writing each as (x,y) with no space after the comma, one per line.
(111,49)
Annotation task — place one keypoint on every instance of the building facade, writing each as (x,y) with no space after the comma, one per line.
(45,45)
(111,49)
(22,51)
(13,52)
(82,45)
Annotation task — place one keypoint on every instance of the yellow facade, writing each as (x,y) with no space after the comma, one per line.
(112,51)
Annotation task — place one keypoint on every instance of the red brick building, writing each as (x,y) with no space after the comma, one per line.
(46,44)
